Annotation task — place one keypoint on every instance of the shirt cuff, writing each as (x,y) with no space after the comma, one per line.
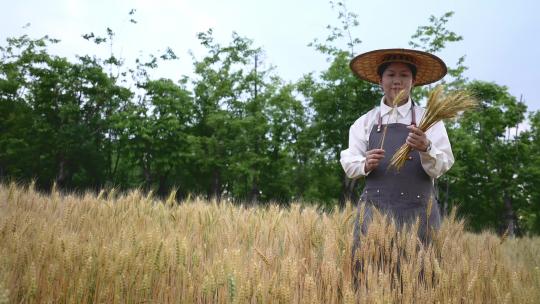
(431,154)
(365,173)
(429,161)
(362,162)
(354,165)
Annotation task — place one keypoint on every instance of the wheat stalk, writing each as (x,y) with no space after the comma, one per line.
(439,107)
(262,256)
(505,235)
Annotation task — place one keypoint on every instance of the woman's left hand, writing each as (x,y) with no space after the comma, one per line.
(417,139)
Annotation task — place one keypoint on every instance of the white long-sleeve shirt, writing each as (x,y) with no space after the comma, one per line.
(435,162)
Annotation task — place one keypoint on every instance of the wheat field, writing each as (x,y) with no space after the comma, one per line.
(133,248)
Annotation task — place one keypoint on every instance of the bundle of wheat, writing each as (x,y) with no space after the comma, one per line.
(439,107)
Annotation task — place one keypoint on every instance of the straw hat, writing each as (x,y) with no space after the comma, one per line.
(430,68)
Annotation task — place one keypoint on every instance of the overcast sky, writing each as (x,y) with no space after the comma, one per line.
(500,38)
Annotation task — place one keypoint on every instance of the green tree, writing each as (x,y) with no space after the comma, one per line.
(486,180)
(229,133)
(159,129)
(65,105)
(147,139)
(529,214)
(285,174)
(433,38)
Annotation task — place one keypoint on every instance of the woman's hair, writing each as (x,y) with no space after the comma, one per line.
(384,66)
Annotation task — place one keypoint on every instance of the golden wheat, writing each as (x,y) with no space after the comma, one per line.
(132,248)
(439,107)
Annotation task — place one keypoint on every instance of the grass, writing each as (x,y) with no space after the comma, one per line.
(132,248)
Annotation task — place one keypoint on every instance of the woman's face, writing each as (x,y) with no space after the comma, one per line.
(397,76)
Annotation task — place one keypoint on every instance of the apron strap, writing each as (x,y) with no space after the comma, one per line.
(379,121)
(413,115)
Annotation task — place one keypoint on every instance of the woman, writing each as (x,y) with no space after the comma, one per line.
(403,195)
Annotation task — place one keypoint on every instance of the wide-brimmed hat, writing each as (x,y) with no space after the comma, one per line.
(429,68)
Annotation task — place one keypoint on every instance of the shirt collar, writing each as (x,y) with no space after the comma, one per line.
(402,110)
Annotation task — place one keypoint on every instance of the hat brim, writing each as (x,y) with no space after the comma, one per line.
(430,68)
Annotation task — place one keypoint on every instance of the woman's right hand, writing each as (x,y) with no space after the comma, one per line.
(373,157)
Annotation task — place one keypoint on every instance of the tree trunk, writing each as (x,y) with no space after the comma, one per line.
(216,185)
(146,172)
(509,215)
(162,187)
(254,193)
(113,174)
(62,176)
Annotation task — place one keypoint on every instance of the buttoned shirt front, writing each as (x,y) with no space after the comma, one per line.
(435,162)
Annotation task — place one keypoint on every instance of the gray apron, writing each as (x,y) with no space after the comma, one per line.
(403,195)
